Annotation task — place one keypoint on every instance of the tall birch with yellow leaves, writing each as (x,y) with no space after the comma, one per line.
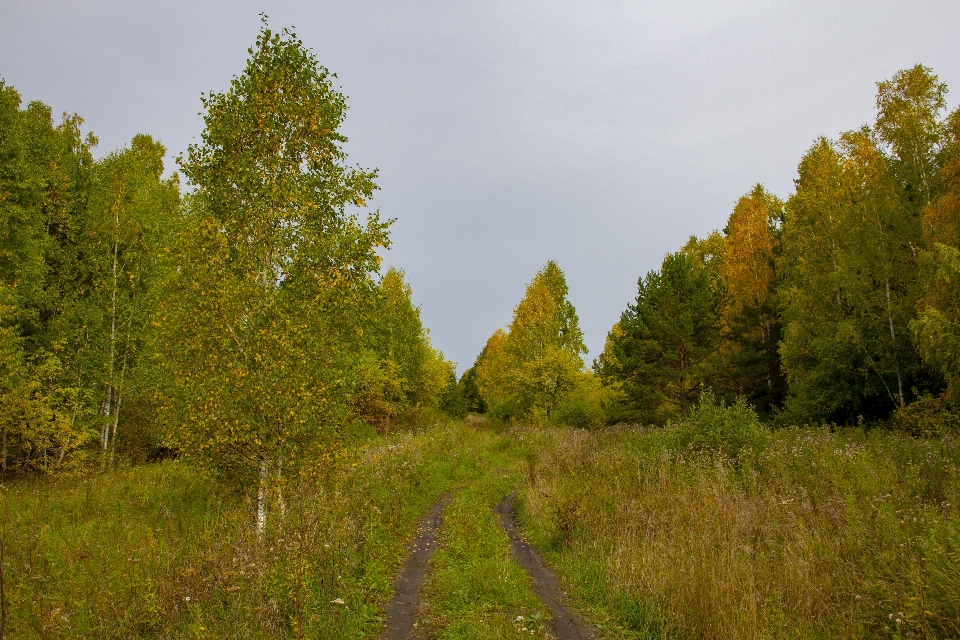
(271,275)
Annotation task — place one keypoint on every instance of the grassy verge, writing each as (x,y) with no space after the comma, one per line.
(475,589)
(158,551)
(820,535)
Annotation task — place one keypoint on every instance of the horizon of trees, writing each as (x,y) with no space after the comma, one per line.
(839,305)
(245,322)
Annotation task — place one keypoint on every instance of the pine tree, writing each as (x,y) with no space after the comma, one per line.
(660,354)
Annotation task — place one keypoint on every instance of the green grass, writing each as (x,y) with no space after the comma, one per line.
(476,590)
(815,535)
(160,551)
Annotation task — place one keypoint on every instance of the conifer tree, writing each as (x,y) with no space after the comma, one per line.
(660,351)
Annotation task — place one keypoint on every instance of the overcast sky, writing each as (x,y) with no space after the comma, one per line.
(597,134)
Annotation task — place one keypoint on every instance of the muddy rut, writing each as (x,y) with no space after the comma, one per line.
(405,603)
(565,625)
(403,608)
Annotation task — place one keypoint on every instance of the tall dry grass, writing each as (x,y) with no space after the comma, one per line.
(160,551)
(849,534)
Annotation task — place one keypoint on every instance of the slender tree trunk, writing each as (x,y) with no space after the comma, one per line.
(123,375)
(683,381)
(262,496)
(116,420)
(3,464)
(281,503)
(107,409)
(893,337)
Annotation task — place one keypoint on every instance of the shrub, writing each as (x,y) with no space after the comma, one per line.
(714,426)
(579,413)
(928,417)
(502,410)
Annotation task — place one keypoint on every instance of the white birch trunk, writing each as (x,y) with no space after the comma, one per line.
(106,410)
(893,336)
(262,497)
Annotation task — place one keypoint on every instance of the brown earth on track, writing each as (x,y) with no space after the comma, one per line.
(405,603)
(565,625)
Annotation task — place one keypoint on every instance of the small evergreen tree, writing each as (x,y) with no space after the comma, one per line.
(660,356)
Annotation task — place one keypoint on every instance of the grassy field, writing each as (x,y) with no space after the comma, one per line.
(820,534)
(796,533)
(158,551)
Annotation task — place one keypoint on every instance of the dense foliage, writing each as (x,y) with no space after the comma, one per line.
(838,305)
(535,369)
(244,323)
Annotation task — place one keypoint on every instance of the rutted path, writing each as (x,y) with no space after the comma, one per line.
(485,581)
(565,625)
(405,603)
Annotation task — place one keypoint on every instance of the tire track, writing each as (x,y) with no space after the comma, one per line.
(565,625)
(405,603)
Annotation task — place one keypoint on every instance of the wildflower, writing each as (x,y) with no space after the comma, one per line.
(337,601)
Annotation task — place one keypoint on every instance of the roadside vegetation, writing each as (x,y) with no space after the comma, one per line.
(812,533)
(161,551)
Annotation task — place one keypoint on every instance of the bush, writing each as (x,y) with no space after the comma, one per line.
(928,417)
(502,410)
(452,401)
(714,426)
(579,413)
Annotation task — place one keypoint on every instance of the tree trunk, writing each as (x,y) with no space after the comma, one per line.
(281,503)
(893,337)
(683,381)
(262,497)
(106,409)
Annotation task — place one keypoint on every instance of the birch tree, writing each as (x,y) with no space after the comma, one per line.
(851,241)
(131,211)
(271,276)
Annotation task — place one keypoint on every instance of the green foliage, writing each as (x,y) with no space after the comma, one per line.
(935,330)
(503,410)
(261,341)
(927,417)
(585,407)
(453,402)
(850,258)
(660,353)
(529,370)
(716,427)
(414,374)
(80,242)
(470,390)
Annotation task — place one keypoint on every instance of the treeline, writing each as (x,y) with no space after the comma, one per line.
(840,304)
(243,321)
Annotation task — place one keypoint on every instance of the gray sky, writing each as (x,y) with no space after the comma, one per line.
(597,134)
